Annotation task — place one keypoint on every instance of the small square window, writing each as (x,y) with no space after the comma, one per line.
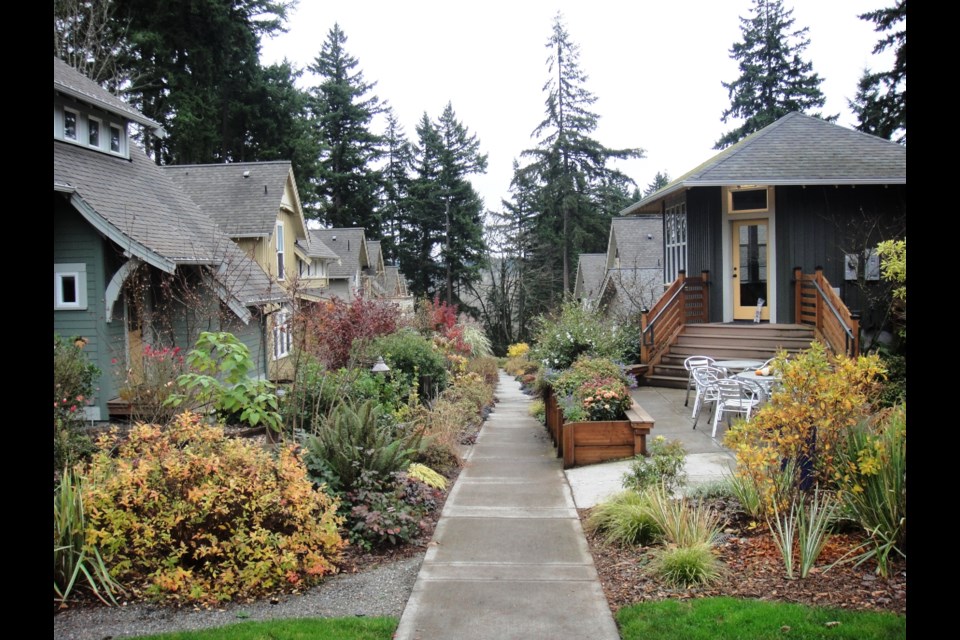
(69,125)
(115,138)
(70,286)
(93,132)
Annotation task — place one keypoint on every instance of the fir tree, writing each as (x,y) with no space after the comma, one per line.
(774,79)
(343,110)
(578,191)
(881,99)
(395,187)
(660,180)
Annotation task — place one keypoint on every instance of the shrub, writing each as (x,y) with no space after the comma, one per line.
(562,337)
(199,517)
(625,519)
(475,338)
(518,350)
(442,426)
(388,509)
(74,377)
(486,367)
(414,357)
(539,411)
(593,389)
(872,477)
(821,398)
(426,475)
(334,329)
(744,489)
(148,389)
(687,566)
(221,381)
(664,467)
(353,441)
(75,562)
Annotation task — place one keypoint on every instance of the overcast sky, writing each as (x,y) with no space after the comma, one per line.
(655,67)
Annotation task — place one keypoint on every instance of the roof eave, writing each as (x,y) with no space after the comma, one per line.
(155,127)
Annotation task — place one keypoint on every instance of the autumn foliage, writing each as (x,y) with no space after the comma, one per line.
(331,327)
(185,514)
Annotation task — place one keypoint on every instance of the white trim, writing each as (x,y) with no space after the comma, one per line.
(282,333)
(112,293)
(90,122)
(78,272)
(121,141)
(281,252)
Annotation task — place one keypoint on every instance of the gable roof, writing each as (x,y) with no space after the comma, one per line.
(374,256)
(242,197)
(349,244)
(797,149)
(71,82)
(591,269)
(636,240)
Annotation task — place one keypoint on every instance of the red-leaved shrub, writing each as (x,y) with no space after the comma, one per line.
(331,327)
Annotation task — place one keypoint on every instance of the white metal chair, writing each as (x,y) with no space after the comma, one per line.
(735,397)
(691,363)
(705,379)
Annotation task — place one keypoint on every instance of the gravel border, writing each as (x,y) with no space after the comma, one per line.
(381,591)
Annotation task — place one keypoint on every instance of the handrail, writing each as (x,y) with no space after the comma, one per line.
(685,301)
(839,328)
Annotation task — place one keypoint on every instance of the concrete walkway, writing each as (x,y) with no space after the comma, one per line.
(508,558)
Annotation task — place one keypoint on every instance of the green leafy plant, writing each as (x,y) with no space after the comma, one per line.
(387,509)
(190,515)
(744,489)
(817,516)
(687,566)
(663,467)
(221,380)
(625,519)
(563,336)
(75,562)
(538,410)
(872,478)
(352,441)
(426,475)
(74,377)
(415,357)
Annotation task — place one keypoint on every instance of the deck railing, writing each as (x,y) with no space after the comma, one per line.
(686,301)
(818,306)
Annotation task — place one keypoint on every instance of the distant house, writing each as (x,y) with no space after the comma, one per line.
(136,262)
(633,278)
(257,205)
(350,245)
(801,193)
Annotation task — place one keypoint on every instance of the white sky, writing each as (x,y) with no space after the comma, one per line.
(655,67)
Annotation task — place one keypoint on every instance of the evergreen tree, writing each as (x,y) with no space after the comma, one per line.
(193,63)
(577,190)
(421,229)
(279,128)
(881,99)
(395,188)
(343,110)
(660,180)
(774,79)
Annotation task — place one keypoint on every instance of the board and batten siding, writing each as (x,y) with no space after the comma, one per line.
(704,238)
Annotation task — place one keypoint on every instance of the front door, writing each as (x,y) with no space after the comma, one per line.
(750,258)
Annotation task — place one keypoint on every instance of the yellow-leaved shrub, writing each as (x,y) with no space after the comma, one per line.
(821,398)
(184,513)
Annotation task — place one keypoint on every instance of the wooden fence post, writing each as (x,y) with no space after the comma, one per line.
(797,295)
(705,274)
(818,323)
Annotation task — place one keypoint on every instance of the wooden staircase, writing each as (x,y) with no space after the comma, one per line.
(726,341)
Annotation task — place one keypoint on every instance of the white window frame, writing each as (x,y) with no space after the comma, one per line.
(281,271)
(119,129)
(76,125)
(90,127)
(282,333)
(77,271)
(675,242)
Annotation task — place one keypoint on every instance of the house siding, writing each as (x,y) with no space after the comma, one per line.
(704,238)
(817,226)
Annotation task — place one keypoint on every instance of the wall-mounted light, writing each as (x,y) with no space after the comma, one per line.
(649,236)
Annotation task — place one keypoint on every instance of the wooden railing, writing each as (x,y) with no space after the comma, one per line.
(818,306)
(686,301)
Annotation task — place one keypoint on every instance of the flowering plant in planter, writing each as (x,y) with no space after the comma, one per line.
(604,398)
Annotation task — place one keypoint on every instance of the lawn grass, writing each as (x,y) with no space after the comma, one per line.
(292,629)
(741,619)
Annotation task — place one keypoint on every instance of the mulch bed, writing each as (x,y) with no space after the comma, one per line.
(755,569)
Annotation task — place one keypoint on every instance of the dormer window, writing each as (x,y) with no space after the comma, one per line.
(280,251)
(69,124)
(115,137)
(93,132)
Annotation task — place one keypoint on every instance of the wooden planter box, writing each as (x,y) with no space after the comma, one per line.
(591,442)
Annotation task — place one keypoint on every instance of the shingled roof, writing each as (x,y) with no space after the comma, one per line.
(636,240)
(591,269)
(349,244)
(795,150)
(71,82)
(137,205)
(242,197)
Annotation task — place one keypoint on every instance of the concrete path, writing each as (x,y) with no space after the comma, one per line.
(508,558)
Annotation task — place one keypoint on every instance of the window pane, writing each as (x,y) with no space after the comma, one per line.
(70,125)
(68,289)
(115,139)
(94,127)
(755,199)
